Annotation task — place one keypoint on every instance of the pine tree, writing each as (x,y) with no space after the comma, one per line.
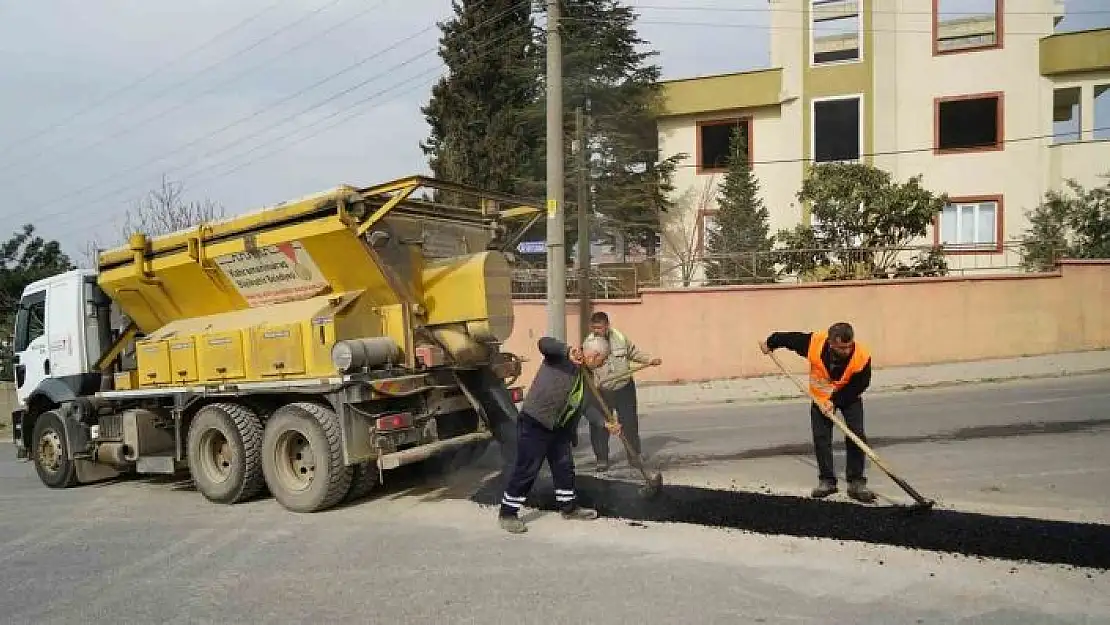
(738,247)
(488,116)
(482,130)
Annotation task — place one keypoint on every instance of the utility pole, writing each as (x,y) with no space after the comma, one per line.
(583,261)
(556,256)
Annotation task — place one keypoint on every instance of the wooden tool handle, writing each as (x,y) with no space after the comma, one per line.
(627,374)
(633,458)
(831,416)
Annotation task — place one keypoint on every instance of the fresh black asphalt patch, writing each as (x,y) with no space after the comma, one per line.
(945,531)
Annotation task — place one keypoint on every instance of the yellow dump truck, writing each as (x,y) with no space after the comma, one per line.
(305,349)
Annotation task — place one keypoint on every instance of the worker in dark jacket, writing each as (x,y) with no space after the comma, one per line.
(839,373)
(547,426)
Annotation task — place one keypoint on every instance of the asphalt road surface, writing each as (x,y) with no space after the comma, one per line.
(143,551)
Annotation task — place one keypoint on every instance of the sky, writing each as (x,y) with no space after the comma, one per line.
(254,102)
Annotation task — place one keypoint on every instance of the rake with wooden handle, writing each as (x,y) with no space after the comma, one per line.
(627,374)
(652,483)
(922,502)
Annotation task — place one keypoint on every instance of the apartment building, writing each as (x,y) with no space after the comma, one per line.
(978,96)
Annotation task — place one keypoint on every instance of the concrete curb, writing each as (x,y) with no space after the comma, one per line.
(901,380)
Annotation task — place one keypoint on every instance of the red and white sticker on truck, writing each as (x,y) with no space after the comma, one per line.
(273,274)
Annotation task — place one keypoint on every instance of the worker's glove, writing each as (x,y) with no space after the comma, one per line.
(828,407)
(613,427)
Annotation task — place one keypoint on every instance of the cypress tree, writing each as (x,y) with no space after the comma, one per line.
(738,247)
(607,72)
(482,132)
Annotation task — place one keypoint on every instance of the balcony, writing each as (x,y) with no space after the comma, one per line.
(1075,53)
(1084,162)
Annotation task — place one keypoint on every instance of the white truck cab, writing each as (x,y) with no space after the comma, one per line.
(62,328)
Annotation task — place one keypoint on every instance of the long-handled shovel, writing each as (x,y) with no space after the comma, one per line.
(922,502)
(627,374)
(652,483)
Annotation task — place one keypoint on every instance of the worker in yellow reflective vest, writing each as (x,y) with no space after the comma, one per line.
(618,392)
(839,373)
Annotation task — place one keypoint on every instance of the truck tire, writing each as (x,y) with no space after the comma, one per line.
(224,450)
(302,458)
(364,478)
(50,452)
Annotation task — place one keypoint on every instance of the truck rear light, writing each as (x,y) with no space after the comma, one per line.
(397,421)
(517,394)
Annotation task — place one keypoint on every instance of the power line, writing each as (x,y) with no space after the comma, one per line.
(194,176)
(116,192)
(262,110)
(594,20)
(142,79)
(21,160)
(314,38)
(285,99)
(915,150)
(708,9)
(351,108)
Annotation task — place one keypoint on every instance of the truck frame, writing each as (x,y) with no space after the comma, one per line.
(305,349)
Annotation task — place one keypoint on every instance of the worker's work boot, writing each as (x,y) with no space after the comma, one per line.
(578,513)
(858,490)
(513,524)
(824,489)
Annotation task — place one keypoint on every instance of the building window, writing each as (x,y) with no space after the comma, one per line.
(1101,117)
(30,321)
(714,143)
(969,123)
(972,224)
(835,31)
(1066,115)
(837,128)
(966,25)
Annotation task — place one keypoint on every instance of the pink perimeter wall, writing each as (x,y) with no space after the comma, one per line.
(713,333)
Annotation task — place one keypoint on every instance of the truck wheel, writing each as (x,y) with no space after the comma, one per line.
(50,453)
(302,458)
(364,477)
(224,450)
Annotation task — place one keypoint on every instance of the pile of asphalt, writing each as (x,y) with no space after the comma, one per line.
(944,531)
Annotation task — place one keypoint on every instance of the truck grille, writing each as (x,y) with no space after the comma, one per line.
(111,426)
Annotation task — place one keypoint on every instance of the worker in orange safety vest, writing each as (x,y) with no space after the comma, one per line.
(839,373)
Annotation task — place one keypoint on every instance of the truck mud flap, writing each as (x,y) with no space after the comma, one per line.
(417,454)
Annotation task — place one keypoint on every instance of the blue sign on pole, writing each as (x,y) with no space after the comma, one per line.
(531,247)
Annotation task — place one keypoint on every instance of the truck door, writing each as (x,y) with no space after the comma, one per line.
(32,363)
(65,326)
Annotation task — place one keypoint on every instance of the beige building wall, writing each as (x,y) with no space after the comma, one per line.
(775,152)
(921,78)
(901,80)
